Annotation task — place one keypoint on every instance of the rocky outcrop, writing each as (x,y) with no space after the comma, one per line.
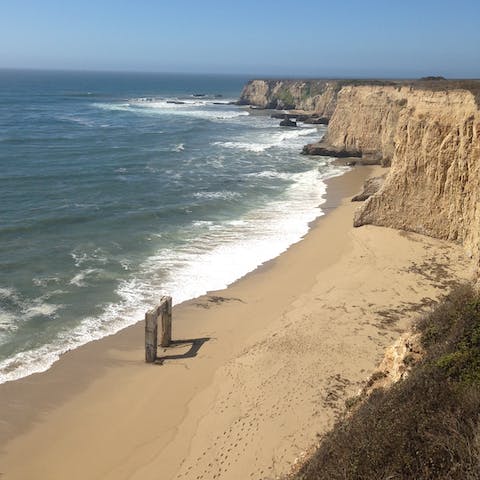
(286,122)
(312,119)
(317,96)
(370,187)
(326,150)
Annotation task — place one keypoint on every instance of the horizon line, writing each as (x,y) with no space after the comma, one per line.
(263,76)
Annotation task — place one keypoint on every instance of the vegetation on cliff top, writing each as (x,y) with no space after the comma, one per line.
(314,87)
(286,98)
(426,426)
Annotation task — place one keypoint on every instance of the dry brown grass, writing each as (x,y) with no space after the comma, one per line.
(426,426)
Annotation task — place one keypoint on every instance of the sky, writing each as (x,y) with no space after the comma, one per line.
(370,38)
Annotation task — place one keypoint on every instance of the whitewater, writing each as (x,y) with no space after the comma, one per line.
(119,188)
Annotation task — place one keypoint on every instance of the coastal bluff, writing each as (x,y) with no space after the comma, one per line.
(432,141)
(319,96)
(428,131)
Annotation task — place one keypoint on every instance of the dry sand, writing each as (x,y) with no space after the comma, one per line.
(265,367)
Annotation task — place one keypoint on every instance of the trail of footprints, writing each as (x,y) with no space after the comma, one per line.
(235,451)
(253,413)
(227,448)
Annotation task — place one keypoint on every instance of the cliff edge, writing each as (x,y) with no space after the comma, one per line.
(316,96)
(428,131)
(432,140)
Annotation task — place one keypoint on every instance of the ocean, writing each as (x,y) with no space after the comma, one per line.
(118,188)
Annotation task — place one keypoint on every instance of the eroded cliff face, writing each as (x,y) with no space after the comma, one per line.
(429,132)
(433,137)
(365,120)
(317,96)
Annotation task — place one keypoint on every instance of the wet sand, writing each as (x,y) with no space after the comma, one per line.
(257,372)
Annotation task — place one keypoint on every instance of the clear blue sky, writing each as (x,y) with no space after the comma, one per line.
(399,38)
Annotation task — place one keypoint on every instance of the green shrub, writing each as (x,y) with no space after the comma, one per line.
(286,98)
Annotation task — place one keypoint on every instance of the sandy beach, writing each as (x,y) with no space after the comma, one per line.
(258,371)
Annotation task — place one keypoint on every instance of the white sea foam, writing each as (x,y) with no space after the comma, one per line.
(272,174)
(202,223)
(237,223)
(224,195)
(193,108)
(8,292)
(17,310)
(40,308)
(8,323)
(250,147)
(179,148)
(80,279)
(176,102)
(84,255)
(265,141)
(44,281)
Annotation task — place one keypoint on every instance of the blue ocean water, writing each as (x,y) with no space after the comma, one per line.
(117,188)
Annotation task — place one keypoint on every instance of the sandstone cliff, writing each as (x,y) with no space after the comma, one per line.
(365,120)
(428,131)
(433,186)
(318,96)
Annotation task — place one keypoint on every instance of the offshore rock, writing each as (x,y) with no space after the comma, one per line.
(286,122)
(316,120)
(282,116)
(312,119)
